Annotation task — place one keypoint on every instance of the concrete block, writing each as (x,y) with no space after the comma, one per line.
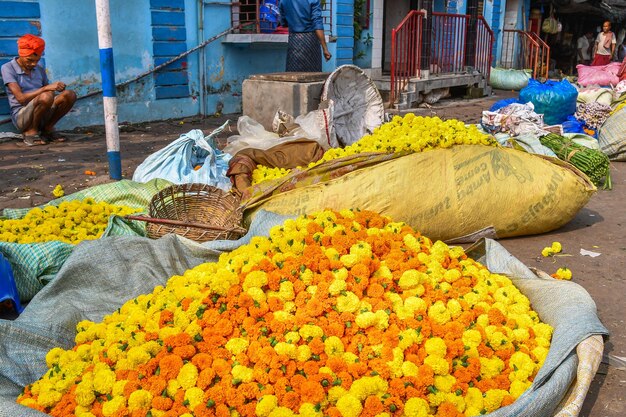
(262,96)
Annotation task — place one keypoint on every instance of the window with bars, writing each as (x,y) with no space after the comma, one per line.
(261,16)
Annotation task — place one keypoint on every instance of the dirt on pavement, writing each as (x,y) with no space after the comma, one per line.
(28,175)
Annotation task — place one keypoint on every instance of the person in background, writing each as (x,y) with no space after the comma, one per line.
(36,104)
(306,34)
(621,51)
(583,48)
(604,48)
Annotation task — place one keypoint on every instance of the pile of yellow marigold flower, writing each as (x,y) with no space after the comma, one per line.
(402,134)
(338,314)
(69,222)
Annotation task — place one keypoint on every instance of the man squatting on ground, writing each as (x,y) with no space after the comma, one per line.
(35,105)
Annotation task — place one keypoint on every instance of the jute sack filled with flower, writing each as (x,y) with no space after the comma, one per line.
(35,264)
(461,192)
(340,314)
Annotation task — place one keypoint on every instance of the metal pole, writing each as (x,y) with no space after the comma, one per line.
(108,89)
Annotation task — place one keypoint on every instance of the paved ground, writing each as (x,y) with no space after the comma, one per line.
(28,175)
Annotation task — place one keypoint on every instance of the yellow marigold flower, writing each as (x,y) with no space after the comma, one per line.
(187,376)
(58,191)
(283,348)
(281,412)
(493,398)
(416,407)
(563,273)
(522,367)
(368,385)
(103,381)
(474,402)
(436,346)
(53,356)
(543,330)
(347,303)
(110,407)
(556,247)
(139,399)
(547,251)
(265,405)
(256,279)
(194,396)
(444,383)
(490,367)
(309,330)
(337,286)
(349,406)
(243,373)
(303,353)
(237,345)
(439,313)
(518,388)
(471,338)
(440,365)
(138,356)
(308,410)
(333,346)
(409,369)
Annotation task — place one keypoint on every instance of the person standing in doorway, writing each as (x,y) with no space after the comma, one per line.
(604,48)
(583,47)
(36,104)
(306,35)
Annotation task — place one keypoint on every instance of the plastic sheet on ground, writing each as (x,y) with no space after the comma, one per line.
(192,158)
(36,264)
(515,118)
(101,275)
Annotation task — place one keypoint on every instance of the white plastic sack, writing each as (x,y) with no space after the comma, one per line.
(316,125)
(178,160)
(595,94)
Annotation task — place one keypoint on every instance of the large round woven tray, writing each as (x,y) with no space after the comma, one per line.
(217,211)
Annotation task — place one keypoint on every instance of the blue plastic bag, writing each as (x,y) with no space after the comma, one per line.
(573,125)
(503,103)
(8,288)
(554,99)
(178,162)
(269,14)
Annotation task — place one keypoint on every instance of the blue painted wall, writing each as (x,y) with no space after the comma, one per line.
(72,57)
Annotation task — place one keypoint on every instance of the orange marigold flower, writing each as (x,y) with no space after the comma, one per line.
(170,366)
(312,392)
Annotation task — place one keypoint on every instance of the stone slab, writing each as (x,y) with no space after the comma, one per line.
(261,98)
(292,77)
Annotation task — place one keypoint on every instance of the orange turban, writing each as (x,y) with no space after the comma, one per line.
(30,44)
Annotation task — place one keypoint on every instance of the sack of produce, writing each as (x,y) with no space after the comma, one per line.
(450,193)
(600,95)
(37,253)
(592,162)
(612,136)
(605,75)
(192,158)
(453,185)
(508,79)
(554,99)
(336,313)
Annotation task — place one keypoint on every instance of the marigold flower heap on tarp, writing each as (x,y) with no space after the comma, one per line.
(336,314)
(402,134)
(69,222)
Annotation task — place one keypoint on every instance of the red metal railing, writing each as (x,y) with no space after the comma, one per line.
(543,59)
(249,16)
(484,50)
(406,52)
(525,51)
(448,38)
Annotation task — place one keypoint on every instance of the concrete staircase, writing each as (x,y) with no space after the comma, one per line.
(429,90)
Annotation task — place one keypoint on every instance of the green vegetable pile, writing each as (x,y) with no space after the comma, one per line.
(592,162)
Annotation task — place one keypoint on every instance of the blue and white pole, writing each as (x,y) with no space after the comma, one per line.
(108,89)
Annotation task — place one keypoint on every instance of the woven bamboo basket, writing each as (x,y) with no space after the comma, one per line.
(199,212)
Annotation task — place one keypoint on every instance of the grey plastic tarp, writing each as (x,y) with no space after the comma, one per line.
(99,276)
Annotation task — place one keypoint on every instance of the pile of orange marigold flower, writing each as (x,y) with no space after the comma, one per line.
(335,314)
